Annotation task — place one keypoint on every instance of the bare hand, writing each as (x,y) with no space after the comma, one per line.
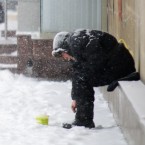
(67,56)
(74,106)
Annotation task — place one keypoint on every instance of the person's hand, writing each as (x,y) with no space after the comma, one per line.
(67,56)
(74,106)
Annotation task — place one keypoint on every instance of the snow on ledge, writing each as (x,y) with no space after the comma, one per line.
(15,53)
(8,66)
(37,35)
(27,33)
(135,91)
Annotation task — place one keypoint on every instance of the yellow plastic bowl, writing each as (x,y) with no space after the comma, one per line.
(42,119)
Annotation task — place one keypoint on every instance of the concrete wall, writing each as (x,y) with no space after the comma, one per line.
(28,15)
(121,21)
(127,105)
(142,38)
(126,21)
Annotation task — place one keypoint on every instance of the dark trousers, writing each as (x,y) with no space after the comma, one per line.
(85,111)
(84,100)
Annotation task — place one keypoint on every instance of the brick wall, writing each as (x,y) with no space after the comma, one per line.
(44,65)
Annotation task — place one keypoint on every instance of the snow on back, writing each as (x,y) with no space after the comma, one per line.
(78,31)
(58,39)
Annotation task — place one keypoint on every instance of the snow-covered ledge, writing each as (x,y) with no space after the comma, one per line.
(37,35)
(127,102)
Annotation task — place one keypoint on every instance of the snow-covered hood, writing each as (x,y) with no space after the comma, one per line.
(60,43)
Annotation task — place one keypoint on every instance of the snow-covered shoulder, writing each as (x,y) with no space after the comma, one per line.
(78,32)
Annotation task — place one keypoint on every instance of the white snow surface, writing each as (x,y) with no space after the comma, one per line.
(8,65)
(22,99)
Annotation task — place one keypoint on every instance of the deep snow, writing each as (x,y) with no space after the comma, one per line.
(22,99)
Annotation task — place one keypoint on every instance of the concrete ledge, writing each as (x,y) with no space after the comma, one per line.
(37,35)
(127,103)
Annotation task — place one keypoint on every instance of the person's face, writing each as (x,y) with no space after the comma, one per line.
(67,56)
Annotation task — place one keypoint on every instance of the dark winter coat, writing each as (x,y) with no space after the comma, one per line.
(100,60)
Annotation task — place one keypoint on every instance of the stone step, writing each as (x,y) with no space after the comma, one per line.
(12,69)
(10,33)
(8,48)
(8,41)
(8,59)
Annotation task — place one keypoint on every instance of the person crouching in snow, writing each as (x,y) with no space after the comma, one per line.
(97,59)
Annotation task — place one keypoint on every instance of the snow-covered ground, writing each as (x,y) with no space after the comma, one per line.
(22,99)
(2,66)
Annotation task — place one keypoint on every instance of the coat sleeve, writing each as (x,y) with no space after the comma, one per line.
(81,86)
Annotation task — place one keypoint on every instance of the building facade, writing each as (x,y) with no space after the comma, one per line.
(40,20)
(126,21)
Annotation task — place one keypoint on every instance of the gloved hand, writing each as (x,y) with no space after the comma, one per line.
(112,86)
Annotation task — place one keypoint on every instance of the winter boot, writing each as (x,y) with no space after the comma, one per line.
(84,115)
(87,124)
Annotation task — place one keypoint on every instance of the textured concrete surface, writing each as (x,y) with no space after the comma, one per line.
(127,104)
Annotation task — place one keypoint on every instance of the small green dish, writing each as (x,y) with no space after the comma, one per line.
(42,119)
